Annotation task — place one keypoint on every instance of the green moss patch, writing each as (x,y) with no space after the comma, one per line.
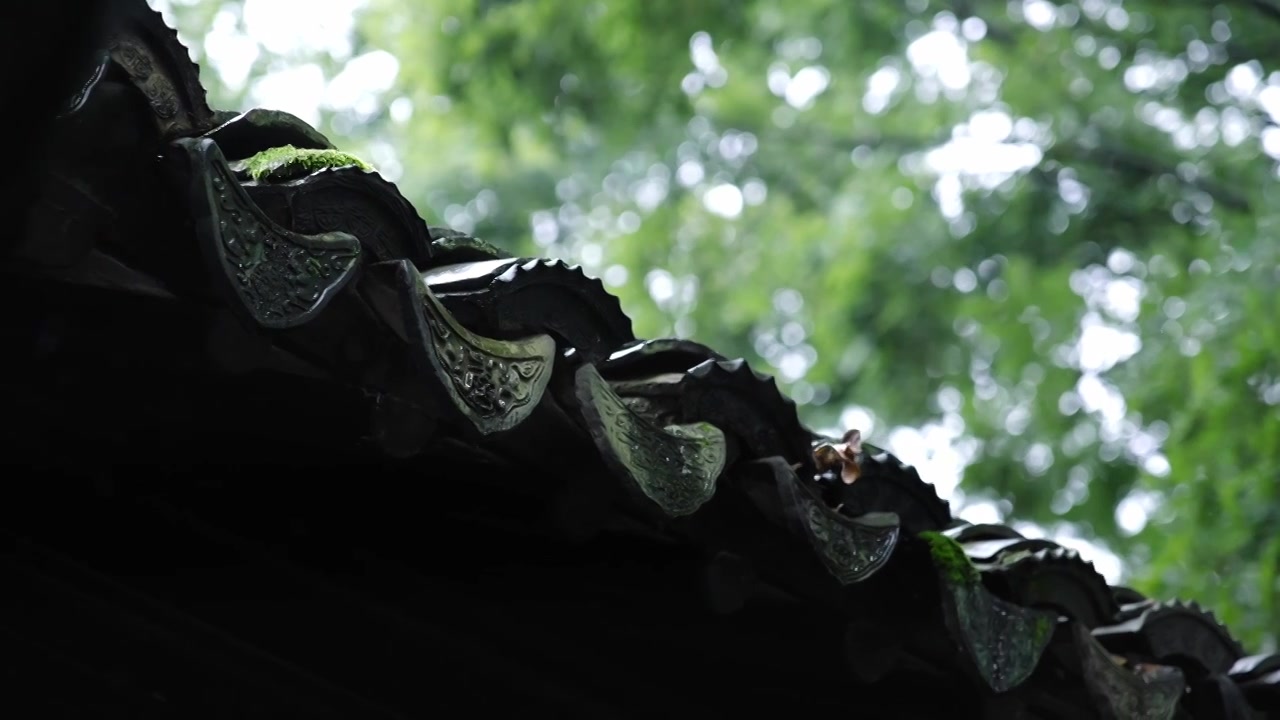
(1044,626)
(289,163)
(949,557)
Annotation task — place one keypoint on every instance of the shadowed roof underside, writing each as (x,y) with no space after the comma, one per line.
(294,452)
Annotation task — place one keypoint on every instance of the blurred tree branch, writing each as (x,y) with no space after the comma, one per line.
(1267,9)
(1109,155)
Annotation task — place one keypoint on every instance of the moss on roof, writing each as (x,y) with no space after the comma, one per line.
(288,162)
(949,557)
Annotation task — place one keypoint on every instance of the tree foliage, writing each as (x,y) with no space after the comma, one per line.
(1030,241)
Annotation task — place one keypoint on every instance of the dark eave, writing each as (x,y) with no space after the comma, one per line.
(278,448)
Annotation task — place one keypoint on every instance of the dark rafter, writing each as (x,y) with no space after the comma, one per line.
(293,452)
